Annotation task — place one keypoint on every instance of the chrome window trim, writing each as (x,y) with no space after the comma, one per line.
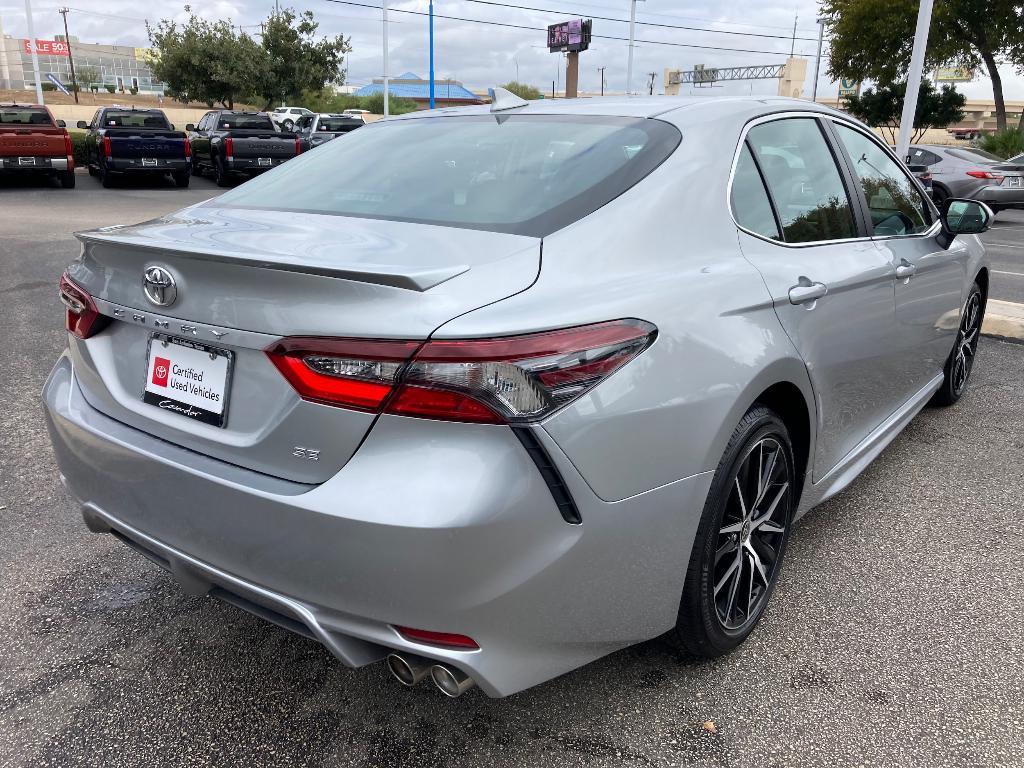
(931,232)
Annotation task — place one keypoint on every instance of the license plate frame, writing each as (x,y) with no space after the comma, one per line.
(264,162)
(22,161)
(173,402)
(150,162)
(1014,181)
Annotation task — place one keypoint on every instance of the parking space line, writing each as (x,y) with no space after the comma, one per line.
(1003,272)
(1005,245)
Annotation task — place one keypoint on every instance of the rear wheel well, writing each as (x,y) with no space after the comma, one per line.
(982,280)
(788,402)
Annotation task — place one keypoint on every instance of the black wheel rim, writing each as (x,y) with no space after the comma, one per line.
(749,546)
(966,343)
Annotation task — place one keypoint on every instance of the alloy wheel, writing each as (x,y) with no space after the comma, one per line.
(752,533)
(966,343)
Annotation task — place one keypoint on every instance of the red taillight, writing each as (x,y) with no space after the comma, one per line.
(229,147)
(985,175)
(188,148)
(443,639)
(298,146)
(106,147)
(68,149)
(513,379)
(81,318)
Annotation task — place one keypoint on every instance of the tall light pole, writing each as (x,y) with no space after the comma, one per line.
(601,70)
(32,47)
(384,8)
(71,61)
(924,20)
(632,36)
(817,61)
(432,54)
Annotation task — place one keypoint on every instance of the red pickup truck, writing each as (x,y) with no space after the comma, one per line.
(31,141)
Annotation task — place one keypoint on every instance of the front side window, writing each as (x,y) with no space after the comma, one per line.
(750,204)
(896,206)
(803,180)
(520,174)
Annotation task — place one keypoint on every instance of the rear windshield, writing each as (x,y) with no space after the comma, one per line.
(135,120)
(522,174)
(24,116)
(245,122)
(974,155)
(338,124)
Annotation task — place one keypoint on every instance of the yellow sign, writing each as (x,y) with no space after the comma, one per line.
(146,54)
(954,75)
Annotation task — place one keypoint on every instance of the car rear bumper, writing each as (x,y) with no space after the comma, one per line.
(1004,197)
(162,165)
(438,526)
(252,164)
(37,164)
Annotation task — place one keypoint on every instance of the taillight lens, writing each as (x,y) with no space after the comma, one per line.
(985,175)
(229,147)
(106,147)
(81,317)
(298,146)
(507,380)
(188,148)
(68,149)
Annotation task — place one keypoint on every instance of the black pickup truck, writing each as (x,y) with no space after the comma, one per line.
(128,140)
(229,142)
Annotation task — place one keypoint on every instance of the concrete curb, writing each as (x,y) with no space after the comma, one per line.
(1004,319)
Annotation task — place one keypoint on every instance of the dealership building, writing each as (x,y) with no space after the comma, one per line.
(120,66)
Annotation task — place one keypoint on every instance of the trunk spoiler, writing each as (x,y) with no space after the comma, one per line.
(418,279)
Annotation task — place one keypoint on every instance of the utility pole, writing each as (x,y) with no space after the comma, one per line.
(71,60)
(601,70)
(632,37)
(924,20)
(431,34)
(817,61)
(792,45)
(384,7)
(32,47)
(650,83)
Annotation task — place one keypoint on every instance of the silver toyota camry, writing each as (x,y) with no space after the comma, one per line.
(489,393)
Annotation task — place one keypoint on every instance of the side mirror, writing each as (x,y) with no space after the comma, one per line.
(82,124)
(189,127)
(172,126)
(61,124)
(964,217)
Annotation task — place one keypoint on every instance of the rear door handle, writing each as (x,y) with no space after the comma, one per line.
(905,270)
(806,292)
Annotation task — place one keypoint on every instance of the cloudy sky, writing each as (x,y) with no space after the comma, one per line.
(670,33)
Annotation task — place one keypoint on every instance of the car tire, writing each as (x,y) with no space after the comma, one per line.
(288,125)
(725,594)
(220,173)
(181,179)
(91,169)
(106,178)
(957,371)
(939,196)
(67,179)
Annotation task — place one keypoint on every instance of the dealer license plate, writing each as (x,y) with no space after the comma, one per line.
(265,161)
(149,161)
(187,378)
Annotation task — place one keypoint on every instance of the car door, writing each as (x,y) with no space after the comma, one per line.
(93,139)
(201,140)
(930,278)
(832,288)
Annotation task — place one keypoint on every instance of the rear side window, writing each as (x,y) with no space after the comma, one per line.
(24,116)
(750,204)
(923,156)
(245,122)
(803,180)
(521,174)
(975,155)
(112,119)
(338,124)
(896,206)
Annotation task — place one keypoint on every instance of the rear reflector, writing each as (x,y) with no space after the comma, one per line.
(81,318)
(443,639)
(507,380)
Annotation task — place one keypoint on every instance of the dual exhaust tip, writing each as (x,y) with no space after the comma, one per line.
(409,670)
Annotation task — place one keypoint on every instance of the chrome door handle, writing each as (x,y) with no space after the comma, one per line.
(905,270)
(805,291)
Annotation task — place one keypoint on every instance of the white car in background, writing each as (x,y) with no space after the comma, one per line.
(286,117)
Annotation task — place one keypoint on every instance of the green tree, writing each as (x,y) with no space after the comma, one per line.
(523,91)
(873,39)
(293,59)
(86,75)
(882,107)
(396,105)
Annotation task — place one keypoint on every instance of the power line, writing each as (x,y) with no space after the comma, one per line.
(544,29)
(644,23)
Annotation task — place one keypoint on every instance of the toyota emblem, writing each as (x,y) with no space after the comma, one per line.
(159,286)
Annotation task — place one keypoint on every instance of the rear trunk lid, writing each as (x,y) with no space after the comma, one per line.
(135,143)
(245,278)
(249,144)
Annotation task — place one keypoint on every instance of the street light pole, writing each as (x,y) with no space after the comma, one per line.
(32,47)
(817,61)
(432,54)
(924,19)
(632,36)
(601,70)
(71,60)
(384,7)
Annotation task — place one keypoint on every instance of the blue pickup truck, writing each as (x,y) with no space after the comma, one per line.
(126,140)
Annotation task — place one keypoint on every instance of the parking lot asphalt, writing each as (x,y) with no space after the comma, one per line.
(894,638)
(1005,245)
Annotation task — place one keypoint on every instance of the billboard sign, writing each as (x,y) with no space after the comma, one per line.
(571,35)
(848,87)
(954,75)
(46,47)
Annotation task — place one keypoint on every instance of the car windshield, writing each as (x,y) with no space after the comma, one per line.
(24,116)
(522,174)
(245,122)
(134,120)
(338,124)
(975,155)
